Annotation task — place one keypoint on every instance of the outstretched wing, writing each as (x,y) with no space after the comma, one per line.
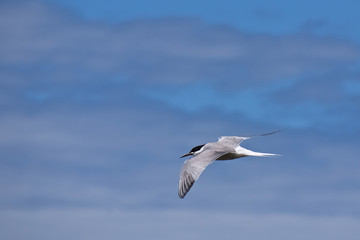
(235,141)
(232,141)
(194,166)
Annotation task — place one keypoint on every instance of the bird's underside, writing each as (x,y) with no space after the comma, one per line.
(230,156)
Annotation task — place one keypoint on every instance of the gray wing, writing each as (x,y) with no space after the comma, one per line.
(194,166)
(235,141)
(232,141)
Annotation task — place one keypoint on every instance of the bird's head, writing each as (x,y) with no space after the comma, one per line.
(194,151)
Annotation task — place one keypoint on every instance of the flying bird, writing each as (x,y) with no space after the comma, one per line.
(226,148)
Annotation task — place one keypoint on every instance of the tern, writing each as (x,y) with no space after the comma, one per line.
(226,148)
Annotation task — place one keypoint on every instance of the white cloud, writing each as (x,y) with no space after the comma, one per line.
(49,53)
(167,224)
(166,51)
(105,158)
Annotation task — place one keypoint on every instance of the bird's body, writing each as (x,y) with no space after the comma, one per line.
(226,148)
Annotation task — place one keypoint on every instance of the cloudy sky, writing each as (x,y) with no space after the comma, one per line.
(98,99)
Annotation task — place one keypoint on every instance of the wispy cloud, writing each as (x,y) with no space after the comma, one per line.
(170,51)
(51,55)
(92,224)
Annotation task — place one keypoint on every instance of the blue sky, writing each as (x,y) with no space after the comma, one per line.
(98,99)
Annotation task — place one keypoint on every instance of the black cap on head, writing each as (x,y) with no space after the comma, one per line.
(193,150)
(197,148)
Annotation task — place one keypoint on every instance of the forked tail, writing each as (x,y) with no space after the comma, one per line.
(259,154)
(270,155)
